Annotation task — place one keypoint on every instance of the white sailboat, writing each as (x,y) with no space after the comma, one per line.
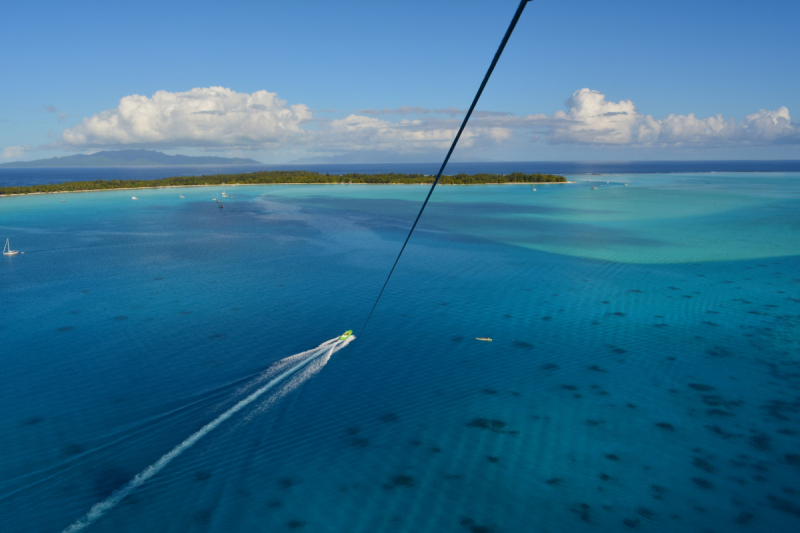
(7,249)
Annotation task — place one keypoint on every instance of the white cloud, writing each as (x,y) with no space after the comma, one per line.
(357,132)
(15,152)
(218,118)
(591,119)
(207,117)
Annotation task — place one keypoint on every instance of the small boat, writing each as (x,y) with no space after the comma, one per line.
(183,197)
(220,205)
(346,335)
(8,251)
(134,198)
(487,339)
(534,188)
(224,195)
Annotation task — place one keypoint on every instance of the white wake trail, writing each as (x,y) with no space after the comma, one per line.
(284,368)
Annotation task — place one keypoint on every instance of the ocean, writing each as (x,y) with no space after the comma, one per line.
(643,372)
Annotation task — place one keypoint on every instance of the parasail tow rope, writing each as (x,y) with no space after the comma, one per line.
(452,147)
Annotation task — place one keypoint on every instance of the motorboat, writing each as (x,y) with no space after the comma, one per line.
(346,335)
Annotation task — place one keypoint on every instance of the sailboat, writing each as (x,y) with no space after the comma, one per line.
(7,249)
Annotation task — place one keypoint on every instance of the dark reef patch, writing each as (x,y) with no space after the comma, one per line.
(719,431)
(715,400)
(493,458)
(389,417)
(630,522)
(470,524)
(400,480)
(702,483)
(719,412)
(72,449)
(761,442)
(666,426)
(582,510)
(120,317)
(792,459)
(286,483)
(487,424)
(744,518)
(554,481)
(295,524)
(202,475)
(718,351)
(703,464)
(787,506)
(701,387)
(64,329)
(217,336)
(32,421)
(522,345)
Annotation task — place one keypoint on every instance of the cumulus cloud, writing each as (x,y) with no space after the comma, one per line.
(591,119)
(207,117)
(219,118)
(15,152)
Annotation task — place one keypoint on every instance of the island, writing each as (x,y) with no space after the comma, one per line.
(276,177)
(129,158)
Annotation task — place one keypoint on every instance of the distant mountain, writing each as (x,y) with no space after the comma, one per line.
(129,158)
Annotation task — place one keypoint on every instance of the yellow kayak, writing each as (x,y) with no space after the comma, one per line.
(483,339)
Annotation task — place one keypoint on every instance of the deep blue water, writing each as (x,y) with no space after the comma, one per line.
(644,369)
(37,176)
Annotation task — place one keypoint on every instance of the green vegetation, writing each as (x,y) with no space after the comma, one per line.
(282,176)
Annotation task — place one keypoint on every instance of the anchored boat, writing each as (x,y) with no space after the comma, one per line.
(8,251)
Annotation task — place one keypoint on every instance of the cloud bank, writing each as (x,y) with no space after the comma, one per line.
(218,118)
(591,119)
(208,117)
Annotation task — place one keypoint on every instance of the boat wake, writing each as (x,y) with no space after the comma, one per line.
(284,375)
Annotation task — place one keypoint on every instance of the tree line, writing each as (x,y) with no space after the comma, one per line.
(284,176)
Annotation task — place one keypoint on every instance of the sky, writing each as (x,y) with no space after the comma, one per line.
(390,81)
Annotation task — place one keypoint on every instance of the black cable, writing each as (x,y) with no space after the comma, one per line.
(452,147)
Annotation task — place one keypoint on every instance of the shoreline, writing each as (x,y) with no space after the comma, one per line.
(82,191)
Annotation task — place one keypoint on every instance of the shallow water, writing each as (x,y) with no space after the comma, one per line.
(644,370)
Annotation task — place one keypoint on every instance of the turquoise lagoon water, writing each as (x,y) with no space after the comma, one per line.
(644,371)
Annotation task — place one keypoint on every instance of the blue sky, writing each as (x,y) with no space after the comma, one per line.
(579,80)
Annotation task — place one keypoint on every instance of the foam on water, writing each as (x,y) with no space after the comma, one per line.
(295,363)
